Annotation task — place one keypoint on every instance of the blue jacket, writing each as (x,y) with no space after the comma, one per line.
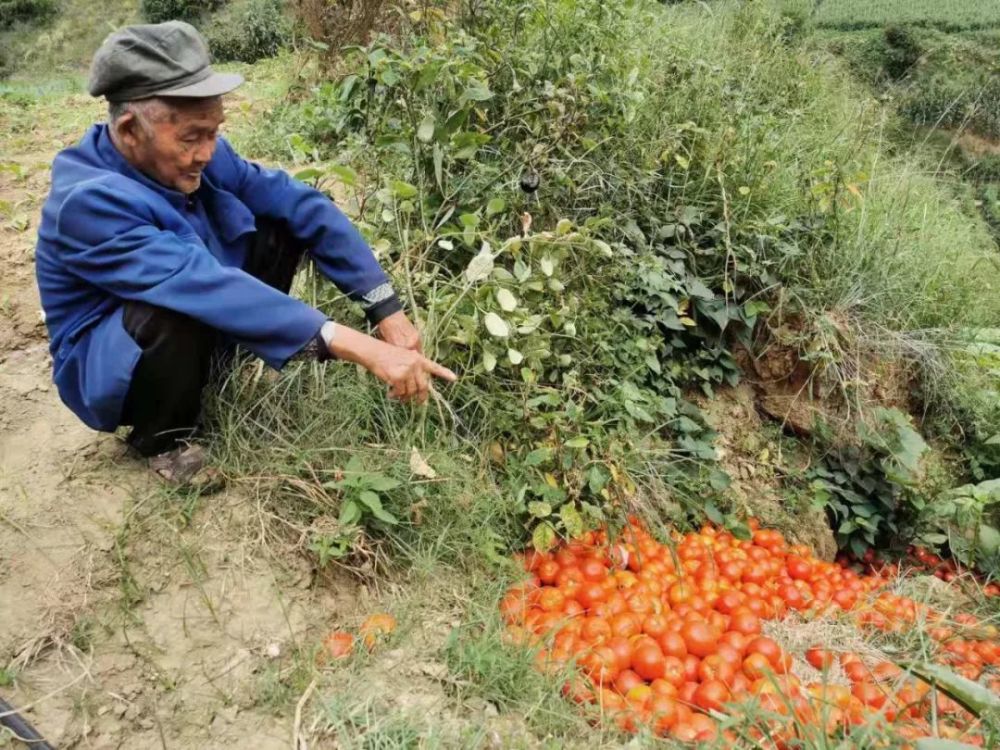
(109,233)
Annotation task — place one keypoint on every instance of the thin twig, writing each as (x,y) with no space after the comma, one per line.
(299,743)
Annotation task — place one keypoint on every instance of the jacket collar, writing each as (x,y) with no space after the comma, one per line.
(110,155)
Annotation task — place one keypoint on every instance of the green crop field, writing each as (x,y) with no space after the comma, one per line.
(950,15)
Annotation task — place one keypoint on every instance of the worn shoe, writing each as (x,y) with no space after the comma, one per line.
(186,467)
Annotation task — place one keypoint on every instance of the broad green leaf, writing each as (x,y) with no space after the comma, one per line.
(350,513)
(374,504)
(425,132)
(571,520)
(719,480)
(489,361)
(403,189)
(712,512)
(506,300)
(345,174)
(495,206)
(538,456)
(604,248)
(989,540)
(563,226)
(496,325)
(539,509)
(514,356)
(371,499)
(521,270)
(479,267)
(477,93)
(543,536)
(756,307)
(382,483)
(308,174)
(547,265)
(578,442)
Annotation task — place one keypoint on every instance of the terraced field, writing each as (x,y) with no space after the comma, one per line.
(949,15)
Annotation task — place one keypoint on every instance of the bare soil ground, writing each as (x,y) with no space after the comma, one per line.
(121,623)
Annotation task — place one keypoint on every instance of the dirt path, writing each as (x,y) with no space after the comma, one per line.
(121,623)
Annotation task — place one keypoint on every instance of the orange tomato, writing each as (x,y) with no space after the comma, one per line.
(663,713)
(338,645)
(819,658)
(648,661)
(626,680)
(699,638)
(711,695)
(756,666)
(375,628)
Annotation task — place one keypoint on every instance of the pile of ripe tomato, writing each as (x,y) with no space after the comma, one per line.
(670,636)
(921,559)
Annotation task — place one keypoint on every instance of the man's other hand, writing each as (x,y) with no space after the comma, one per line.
(407,372)
(397,330)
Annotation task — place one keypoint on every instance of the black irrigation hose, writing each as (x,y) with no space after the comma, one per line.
(10,718)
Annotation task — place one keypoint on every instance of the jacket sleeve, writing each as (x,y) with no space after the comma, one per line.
(110,243)
(336,246)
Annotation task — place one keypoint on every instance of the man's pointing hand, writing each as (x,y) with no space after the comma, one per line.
(407,372)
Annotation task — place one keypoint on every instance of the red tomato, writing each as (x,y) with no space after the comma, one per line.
(699,638)
(673,644)
(626,680)
(648,661)
(711,695)
(819,658)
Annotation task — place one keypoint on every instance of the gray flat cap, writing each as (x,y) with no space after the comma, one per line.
(161,59)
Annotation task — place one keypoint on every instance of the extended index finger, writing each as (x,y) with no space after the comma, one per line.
(439,371)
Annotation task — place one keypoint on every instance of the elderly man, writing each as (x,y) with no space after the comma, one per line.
(160,246)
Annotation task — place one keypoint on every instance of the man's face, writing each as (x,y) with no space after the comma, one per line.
(172,140)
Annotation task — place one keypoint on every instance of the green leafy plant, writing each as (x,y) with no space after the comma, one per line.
(363,492)
(158,11)
(249,31)
(25,11)
(869,487)
(966,519)
(362,495)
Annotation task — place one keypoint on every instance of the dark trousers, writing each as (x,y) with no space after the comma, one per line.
(163,403)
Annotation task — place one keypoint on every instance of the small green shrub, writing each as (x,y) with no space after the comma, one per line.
(902,51)
(158,11)
(966,520)
(18,11)
(868,487)
(249,31)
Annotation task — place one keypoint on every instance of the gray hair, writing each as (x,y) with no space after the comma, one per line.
(145,110)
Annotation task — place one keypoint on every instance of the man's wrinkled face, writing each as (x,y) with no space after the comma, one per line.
(171,140)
